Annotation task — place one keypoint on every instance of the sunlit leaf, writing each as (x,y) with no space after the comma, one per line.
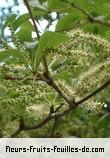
(6,54)
(48,40)
(67,21)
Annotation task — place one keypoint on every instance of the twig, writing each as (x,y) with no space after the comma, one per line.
(32,17)
(38,77)
(46,73)
(90,17)
(37,32)
(39,125)
(103,86)
(54,85)
(21,127)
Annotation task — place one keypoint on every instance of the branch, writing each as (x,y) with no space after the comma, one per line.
(49,80)
(38,77)
(53,115)
(46,73)
(102,87)
(90,17)
(32,17)
(21,127)
(37,32)
(46,78)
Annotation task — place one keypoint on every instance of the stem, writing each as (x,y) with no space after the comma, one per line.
(21,127)
(90,17)
(32,17)
(103,86)
(37,32)
(46,67)
(42,123)
(38,77)
(54,85)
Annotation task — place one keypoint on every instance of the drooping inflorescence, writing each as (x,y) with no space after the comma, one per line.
(86,57)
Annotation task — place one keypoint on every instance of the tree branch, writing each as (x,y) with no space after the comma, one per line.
(43,122)
(76,104)
(32,17)
(103,86)
(90,17)
(38,77)
(46,73)
(21,128)
(49,80)
(53,115)
(37,32)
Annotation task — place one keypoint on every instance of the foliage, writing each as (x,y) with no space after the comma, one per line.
(55,80)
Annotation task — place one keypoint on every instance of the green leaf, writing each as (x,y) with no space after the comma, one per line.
(42,1)
(48,40)
(64,75)
(6,54)
(67,22)
(37,4)
(25,18)
(56,4)
(19,110)
(10,20)
(37,12)
(107,35)
(20,20)
(25,32)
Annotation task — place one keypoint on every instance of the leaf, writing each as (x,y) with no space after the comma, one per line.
(107,35)
(6,54)
(10,20)
(36,3)
(48,40)
(25,32)
(42,1)
(18,110)
(39,12)
(20,20)
(56,4)
(25,18)
(67,22)
(64,75)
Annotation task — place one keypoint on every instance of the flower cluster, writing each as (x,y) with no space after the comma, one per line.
(86,57)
